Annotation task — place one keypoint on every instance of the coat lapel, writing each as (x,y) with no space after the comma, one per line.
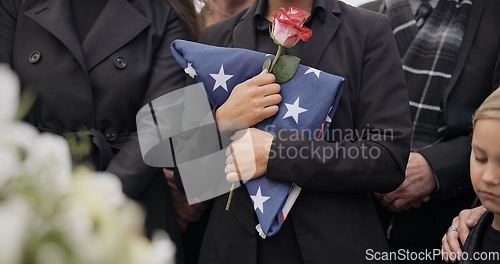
(117,24)
(244,32)
(315,47)
(468,39)
(56,17)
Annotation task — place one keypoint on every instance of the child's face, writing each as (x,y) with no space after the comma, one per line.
(485,163)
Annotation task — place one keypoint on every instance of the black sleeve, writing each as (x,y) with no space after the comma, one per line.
(450,159)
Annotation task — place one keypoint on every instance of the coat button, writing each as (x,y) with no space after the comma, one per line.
(120,62)
(110,134)
(35,57)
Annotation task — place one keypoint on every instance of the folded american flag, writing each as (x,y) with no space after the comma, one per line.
(309,97)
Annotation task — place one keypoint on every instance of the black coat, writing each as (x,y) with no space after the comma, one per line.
(123,63)
(476,75)
(334,219)
(475,238)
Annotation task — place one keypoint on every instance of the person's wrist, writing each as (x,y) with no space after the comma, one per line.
(433,178)
(221,120)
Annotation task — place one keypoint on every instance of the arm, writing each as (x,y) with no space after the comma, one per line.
(450,159)
(166,75)
(382,110)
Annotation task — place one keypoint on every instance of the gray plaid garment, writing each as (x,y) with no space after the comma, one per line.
(428,58)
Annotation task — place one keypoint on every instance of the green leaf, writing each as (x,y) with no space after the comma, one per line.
(28,98)
(267,64)
(285,68)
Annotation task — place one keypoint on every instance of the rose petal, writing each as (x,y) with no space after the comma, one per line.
(288,27)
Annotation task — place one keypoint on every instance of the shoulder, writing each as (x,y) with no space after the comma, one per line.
(491,7)
(488,3)
(475,237)
(152,7)
(362,21)
(218,33)
(18,6)
(159,13)
(373,6)
(361,14)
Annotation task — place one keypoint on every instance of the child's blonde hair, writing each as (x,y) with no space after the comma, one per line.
(490,108)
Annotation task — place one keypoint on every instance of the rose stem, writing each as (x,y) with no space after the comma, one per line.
(278,54)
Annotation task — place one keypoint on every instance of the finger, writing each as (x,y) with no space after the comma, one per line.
(452,254)
(270,111)
(232,177)
(229,159)
(393,209)
(453,244)
(171,184)
(425,198)
(402,204)
(389,198)
(273,99)
(476,213)
(262,79)
(168,173)
(416,204)
(445,249)
(269,89)
(461,222)
(233,168)
(455,238)
(378,195)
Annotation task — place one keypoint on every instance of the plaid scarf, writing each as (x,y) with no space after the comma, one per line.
(428,57)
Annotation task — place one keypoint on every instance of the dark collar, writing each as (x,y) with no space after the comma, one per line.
(244,33)
(318,10)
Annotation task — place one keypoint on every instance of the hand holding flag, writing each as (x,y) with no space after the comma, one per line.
(308,101)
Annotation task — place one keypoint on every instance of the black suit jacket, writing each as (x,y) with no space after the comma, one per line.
(123,63)
(333,218)
(476,75)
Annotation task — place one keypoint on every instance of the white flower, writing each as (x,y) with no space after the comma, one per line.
(111,189)
(9,94)
(15,139)
(51,253)
(74,221)
(163,249)
(14,215)
(40,196)
(49,162)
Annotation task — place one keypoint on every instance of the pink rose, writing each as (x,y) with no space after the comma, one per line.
(288,27)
